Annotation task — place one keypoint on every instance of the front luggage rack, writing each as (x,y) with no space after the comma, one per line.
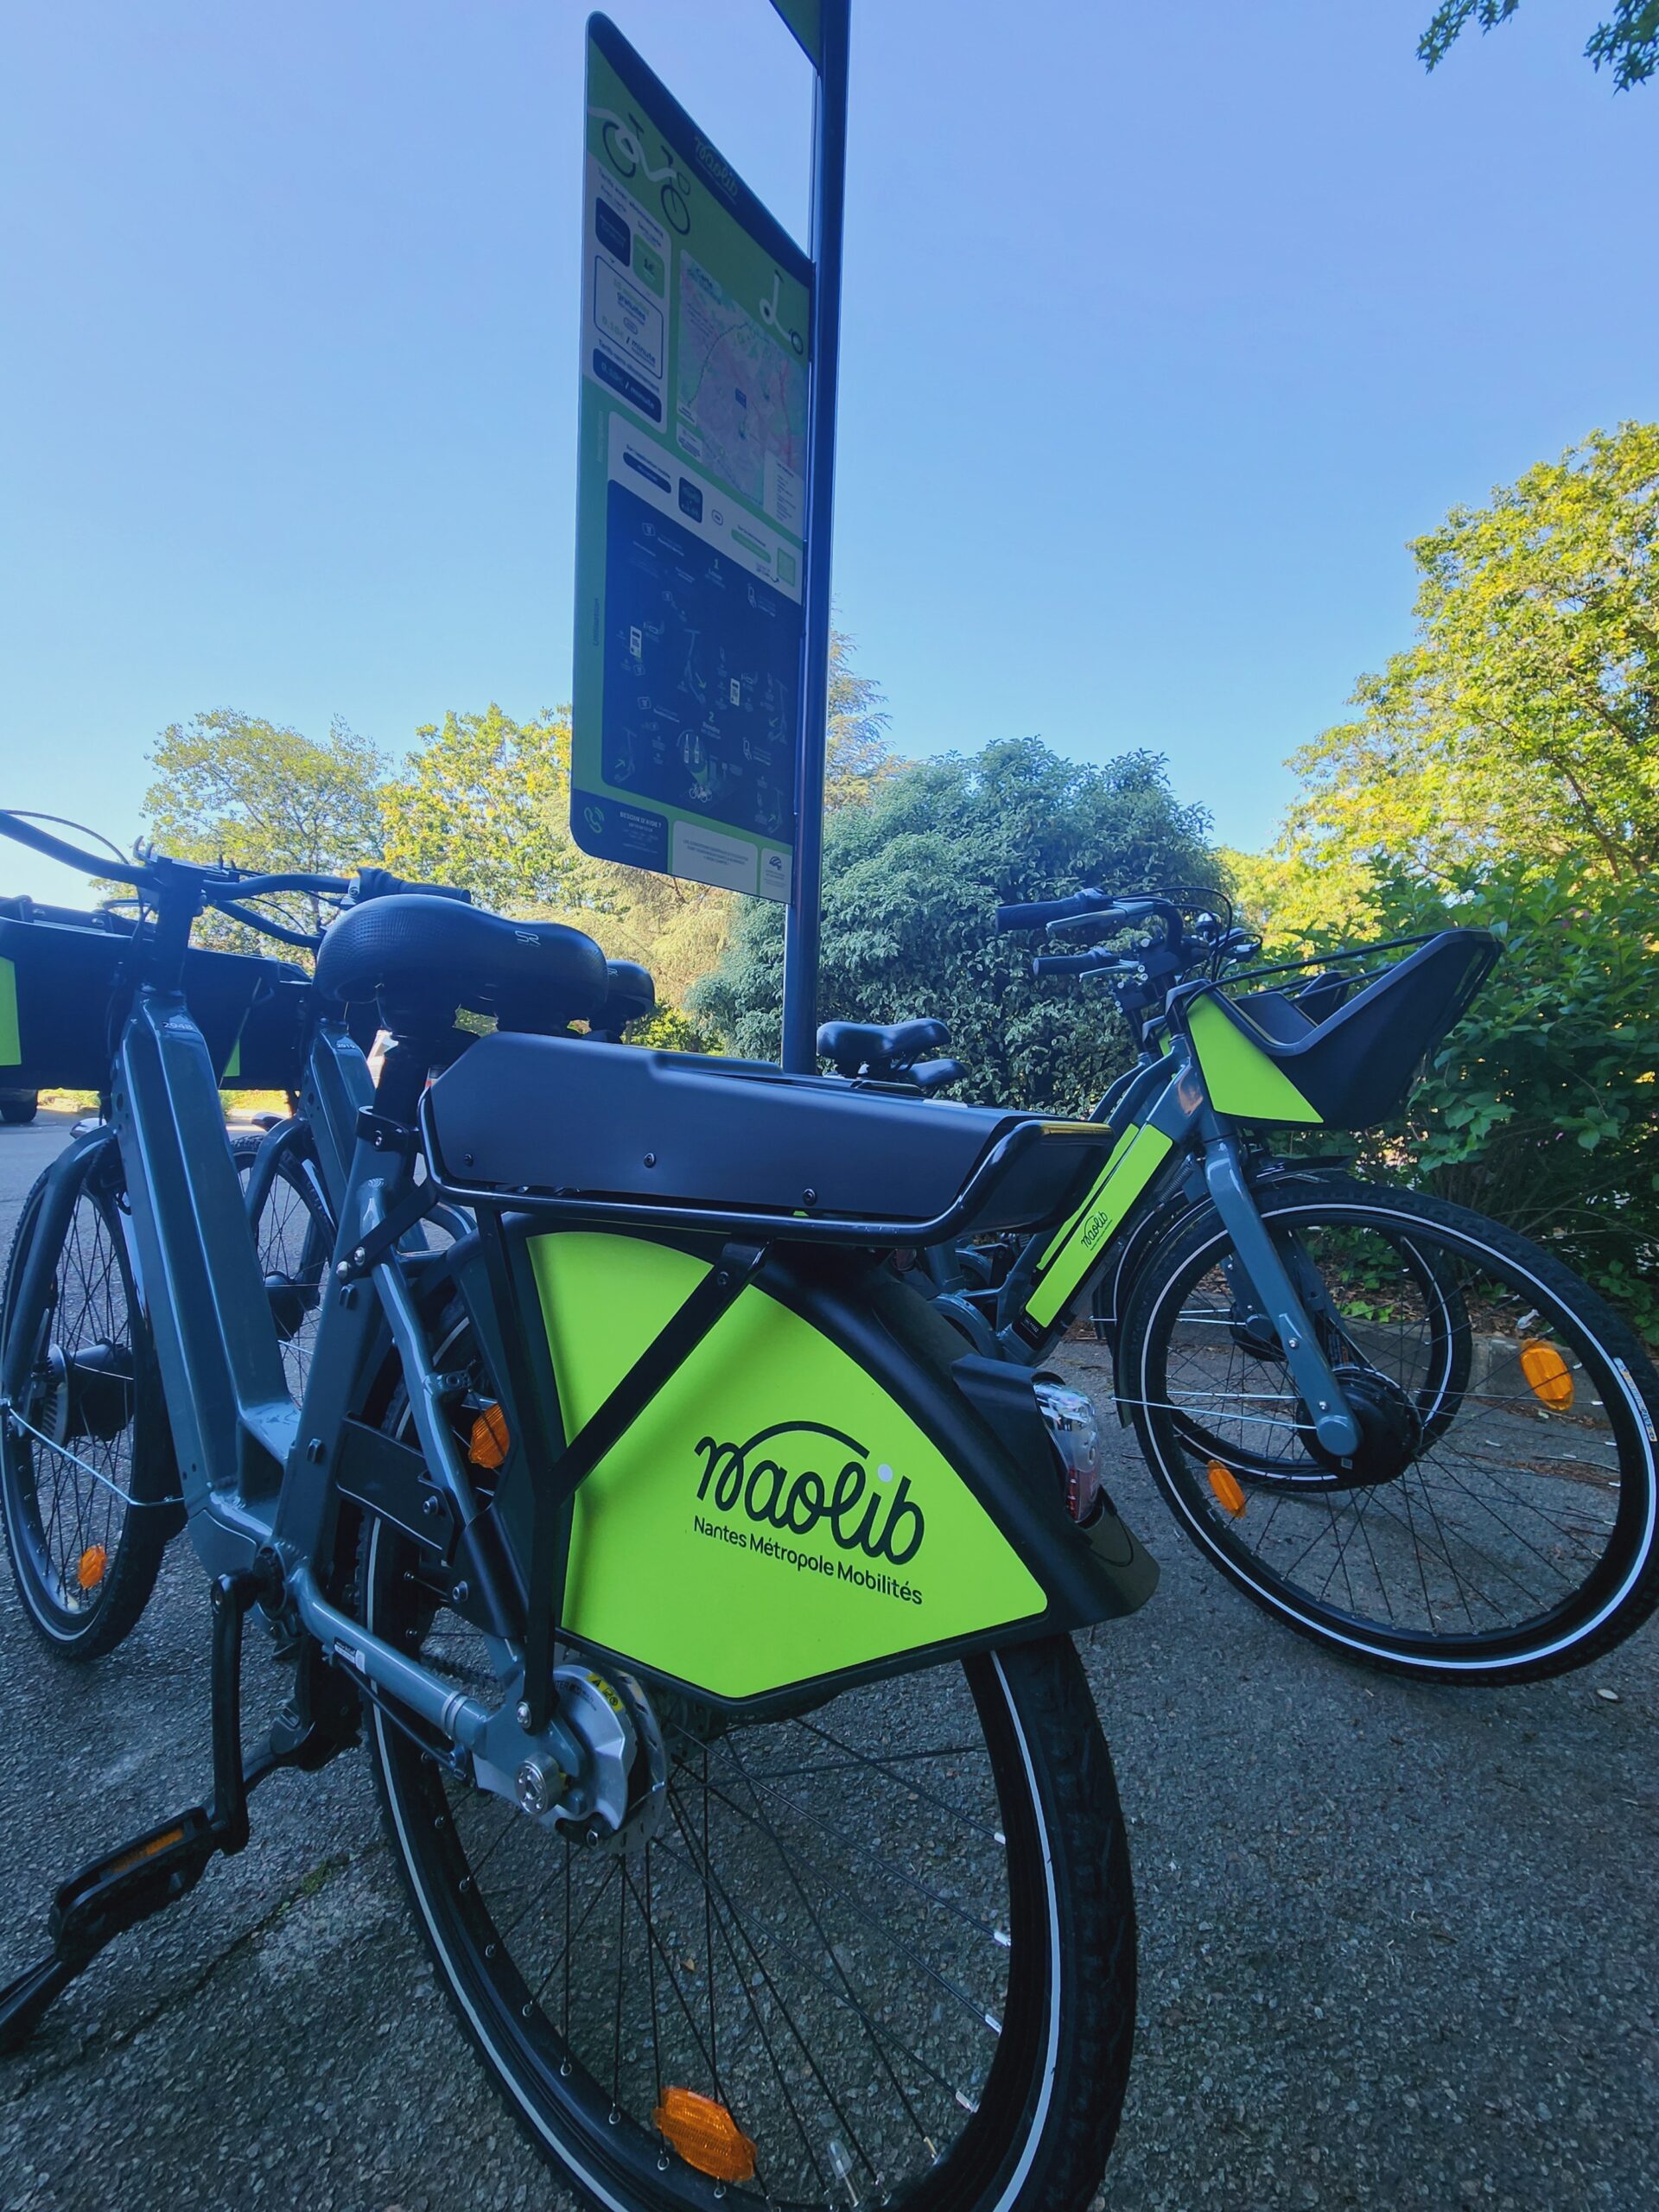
(1347,1060)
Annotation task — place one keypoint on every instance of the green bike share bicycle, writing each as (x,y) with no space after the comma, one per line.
(1404,1431)
(705,1601)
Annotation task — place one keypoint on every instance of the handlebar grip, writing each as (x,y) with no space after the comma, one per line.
(1066,963)
(381,883)
(1039,913)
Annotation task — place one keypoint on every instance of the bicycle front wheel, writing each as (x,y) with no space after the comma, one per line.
(87,1481)
(881,1951)
(1499,1530)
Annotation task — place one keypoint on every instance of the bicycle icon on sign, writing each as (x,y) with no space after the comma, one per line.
(628,158)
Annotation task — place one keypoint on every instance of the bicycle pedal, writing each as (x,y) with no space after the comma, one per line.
(127,1885)
(102,1900)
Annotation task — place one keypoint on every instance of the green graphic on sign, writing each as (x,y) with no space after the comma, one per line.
(692,498)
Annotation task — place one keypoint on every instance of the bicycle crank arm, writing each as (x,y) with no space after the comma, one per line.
(1333,1417)
(154,1870)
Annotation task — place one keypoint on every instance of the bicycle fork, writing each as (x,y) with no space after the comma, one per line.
(1331,1417)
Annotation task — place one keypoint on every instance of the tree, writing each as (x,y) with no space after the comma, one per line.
(485,801)
(912,879)
(1628,41)
(1538,1108)
(1525,721)
(857,756)
(231,786)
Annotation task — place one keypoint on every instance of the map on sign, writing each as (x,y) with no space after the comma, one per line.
(742,398)
(691,498)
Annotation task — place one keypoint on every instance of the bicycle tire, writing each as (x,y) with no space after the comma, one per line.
(1599,1604)
(85,1602)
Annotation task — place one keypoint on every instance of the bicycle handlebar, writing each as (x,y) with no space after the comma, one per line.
(1071,964)
(57,848)
(1121,914)
(216,886)
(1039,913)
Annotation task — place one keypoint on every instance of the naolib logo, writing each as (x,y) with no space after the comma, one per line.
(878,1517)
(717,167)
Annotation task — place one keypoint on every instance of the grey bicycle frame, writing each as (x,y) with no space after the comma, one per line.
(1167,1094)
(259,1474)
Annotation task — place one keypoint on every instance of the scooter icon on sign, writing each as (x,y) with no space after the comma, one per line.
(769,316)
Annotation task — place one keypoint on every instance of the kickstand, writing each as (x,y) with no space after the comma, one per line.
(127,1885)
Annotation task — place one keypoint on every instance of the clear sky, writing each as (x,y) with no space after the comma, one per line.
(1165,325)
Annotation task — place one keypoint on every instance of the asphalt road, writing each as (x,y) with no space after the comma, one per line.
(1399,1945)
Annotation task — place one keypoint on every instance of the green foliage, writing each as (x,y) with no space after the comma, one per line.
(484,801)
(669,1030)
(857,756)
(231,786)
(1525,721)
(910,880)
(1505,772)
(1539,1108)
(1628,42)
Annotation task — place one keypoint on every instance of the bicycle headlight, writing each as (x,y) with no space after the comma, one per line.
(1074,1428)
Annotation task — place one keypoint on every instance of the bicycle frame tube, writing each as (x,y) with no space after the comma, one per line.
(1154,1116)
(337,1088)
(1050,1277)
(259,1474)
(215,1340)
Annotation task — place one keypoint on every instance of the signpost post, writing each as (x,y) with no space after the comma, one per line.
(828,58)
(704,497)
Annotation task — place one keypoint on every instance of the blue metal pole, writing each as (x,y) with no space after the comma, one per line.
(829,196)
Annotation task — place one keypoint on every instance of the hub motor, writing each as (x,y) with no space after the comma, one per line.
(1390,1431)
(618,1796)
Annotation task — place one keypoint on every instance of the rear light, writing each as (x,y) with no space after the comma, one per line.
(1074,1428)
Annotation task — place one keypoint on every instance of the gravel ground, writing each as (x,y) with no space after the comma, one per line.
(1398,1944)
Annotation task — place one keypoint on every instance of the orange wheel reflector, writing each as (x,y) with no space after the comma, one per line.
(487,1445)
(91,1566)
(1549,1375)
(705,2135)
(1228,1491)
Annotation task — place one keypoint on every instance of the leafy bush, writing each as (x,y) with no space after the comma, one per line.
(1539,1108)
(912,878)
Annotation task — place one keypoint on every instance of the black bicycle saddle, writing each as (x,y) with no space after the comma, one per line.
(861,1048)
(422,958)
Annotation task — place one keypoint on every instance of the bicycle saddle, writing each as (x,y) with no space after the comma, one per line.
(422,958)
(631,996)
(861,1048)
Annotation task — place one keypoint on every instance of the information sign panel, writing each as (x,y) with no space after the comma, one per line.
(692,498)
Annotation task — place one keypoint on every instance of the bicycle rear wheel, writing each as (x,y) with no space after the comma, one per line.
(1499,1531)
(86,1471)
(881,1950)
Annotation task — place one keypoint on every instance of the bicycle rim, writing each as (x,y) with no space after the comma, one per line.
(74,1493)
(1518,1536)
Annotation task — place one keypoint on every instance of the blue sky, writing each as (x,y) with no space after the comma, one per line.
(1165,327)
